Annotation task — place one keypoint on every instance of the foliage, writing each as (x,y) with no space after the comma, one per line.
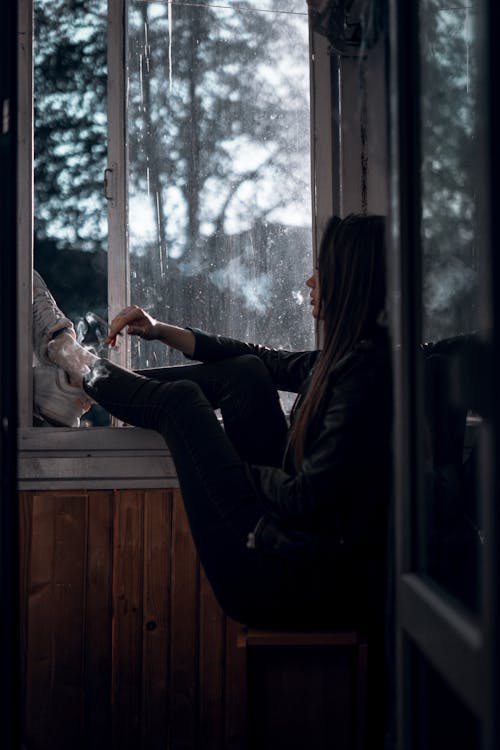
(70,122)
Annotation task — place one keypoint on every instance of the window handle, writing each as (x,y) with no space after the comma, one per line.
(108,183)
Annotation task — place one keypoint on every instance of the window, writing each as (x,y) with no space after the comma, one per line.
(217,219)
(70,126)
(450,237)
(449,81)
(242,272)
(219,185)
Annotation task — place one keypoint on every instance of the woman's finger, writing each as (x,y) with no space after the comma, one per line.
(124,318)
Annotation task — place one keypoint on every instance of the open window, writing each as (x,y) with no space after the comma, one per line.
(171,170)
(196,118)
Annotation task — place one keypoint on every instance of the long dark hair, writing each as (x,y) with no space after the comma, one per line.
(351,273)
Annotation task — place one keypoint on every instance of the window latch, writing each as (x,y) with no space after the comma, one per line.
(109,183)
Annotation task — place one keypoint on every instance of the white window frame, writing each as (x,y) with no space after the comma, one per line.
(97,457)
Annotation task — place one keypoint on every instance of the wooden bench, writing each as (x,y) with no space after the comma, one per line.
(306,690)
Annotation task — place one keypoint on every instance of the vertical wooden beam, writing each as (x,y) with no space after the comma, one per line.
(25,211)
(25,512)
(211,668)
(98,614)
(55,622)
(39,644)
(117,193)
(69,572)
(127,619)
(235,689)
(155,631)
(25,532)
(184,633)
(376,130)
(351,107)
(324,154)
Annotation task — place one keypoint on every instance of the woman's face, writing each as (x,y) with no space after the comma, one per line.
(313,283)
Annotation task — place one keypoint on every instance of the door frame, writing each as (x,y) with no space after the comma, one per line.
(461,648)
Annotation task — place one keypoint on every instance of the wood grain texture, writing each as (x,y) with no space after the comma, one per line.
(25,512)
(55,621)
(126,688)
(235,690)
(124,644)
(184,642)
(39,622)
(211,668)
(98,620)
(156,617)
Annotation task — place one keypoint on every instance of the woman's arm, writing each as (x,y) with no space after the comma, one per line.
(140,323)
(178,338)
(288,369)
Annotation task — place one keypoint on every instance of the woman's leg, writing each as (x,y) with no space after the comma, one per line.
(244,391)
(221,503)
(241,388)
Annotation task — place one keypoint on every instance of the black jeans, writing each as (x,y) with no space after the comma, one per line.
(221,502)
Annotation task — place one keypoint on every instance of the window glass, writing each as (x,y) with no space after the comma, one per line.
(70,221)
(439,718)
(451,544)
(449,190)
(219,170)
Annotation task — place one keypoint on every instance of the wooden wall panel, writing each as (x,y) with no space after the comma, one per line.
(124,645)
(211,668)
(235,690)
(184,634)
(128,551)
(55,623)
(98,614)
(156,618)
(25,513)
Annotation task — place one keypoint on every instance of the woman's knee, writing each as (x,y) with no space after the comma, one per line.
(180,393)
(247,364)
(249,372)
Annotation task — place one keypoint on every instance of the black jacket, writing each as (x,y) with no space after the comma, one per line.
(338,498)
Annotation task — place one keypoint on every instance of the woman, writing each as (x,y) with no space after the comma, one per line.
(289,524)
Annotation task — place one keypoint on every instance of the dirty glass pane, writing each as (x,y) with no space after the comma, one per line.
(451,542)
(70,222)
(219,170)
(449,153)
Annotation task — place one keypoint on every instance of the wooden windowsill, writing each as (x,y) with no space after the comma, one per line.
(93,458)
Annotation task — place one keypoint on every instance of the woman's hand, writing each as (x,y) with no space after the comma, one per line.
(139,323)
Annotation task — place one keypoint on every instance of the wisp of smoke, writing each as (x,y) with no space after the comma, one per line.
(255,289)
(99,371)
(81,330)
(444,285)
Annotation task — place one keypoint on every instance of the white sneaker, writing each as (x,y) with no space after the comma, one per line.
(48,319)
(55,399)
